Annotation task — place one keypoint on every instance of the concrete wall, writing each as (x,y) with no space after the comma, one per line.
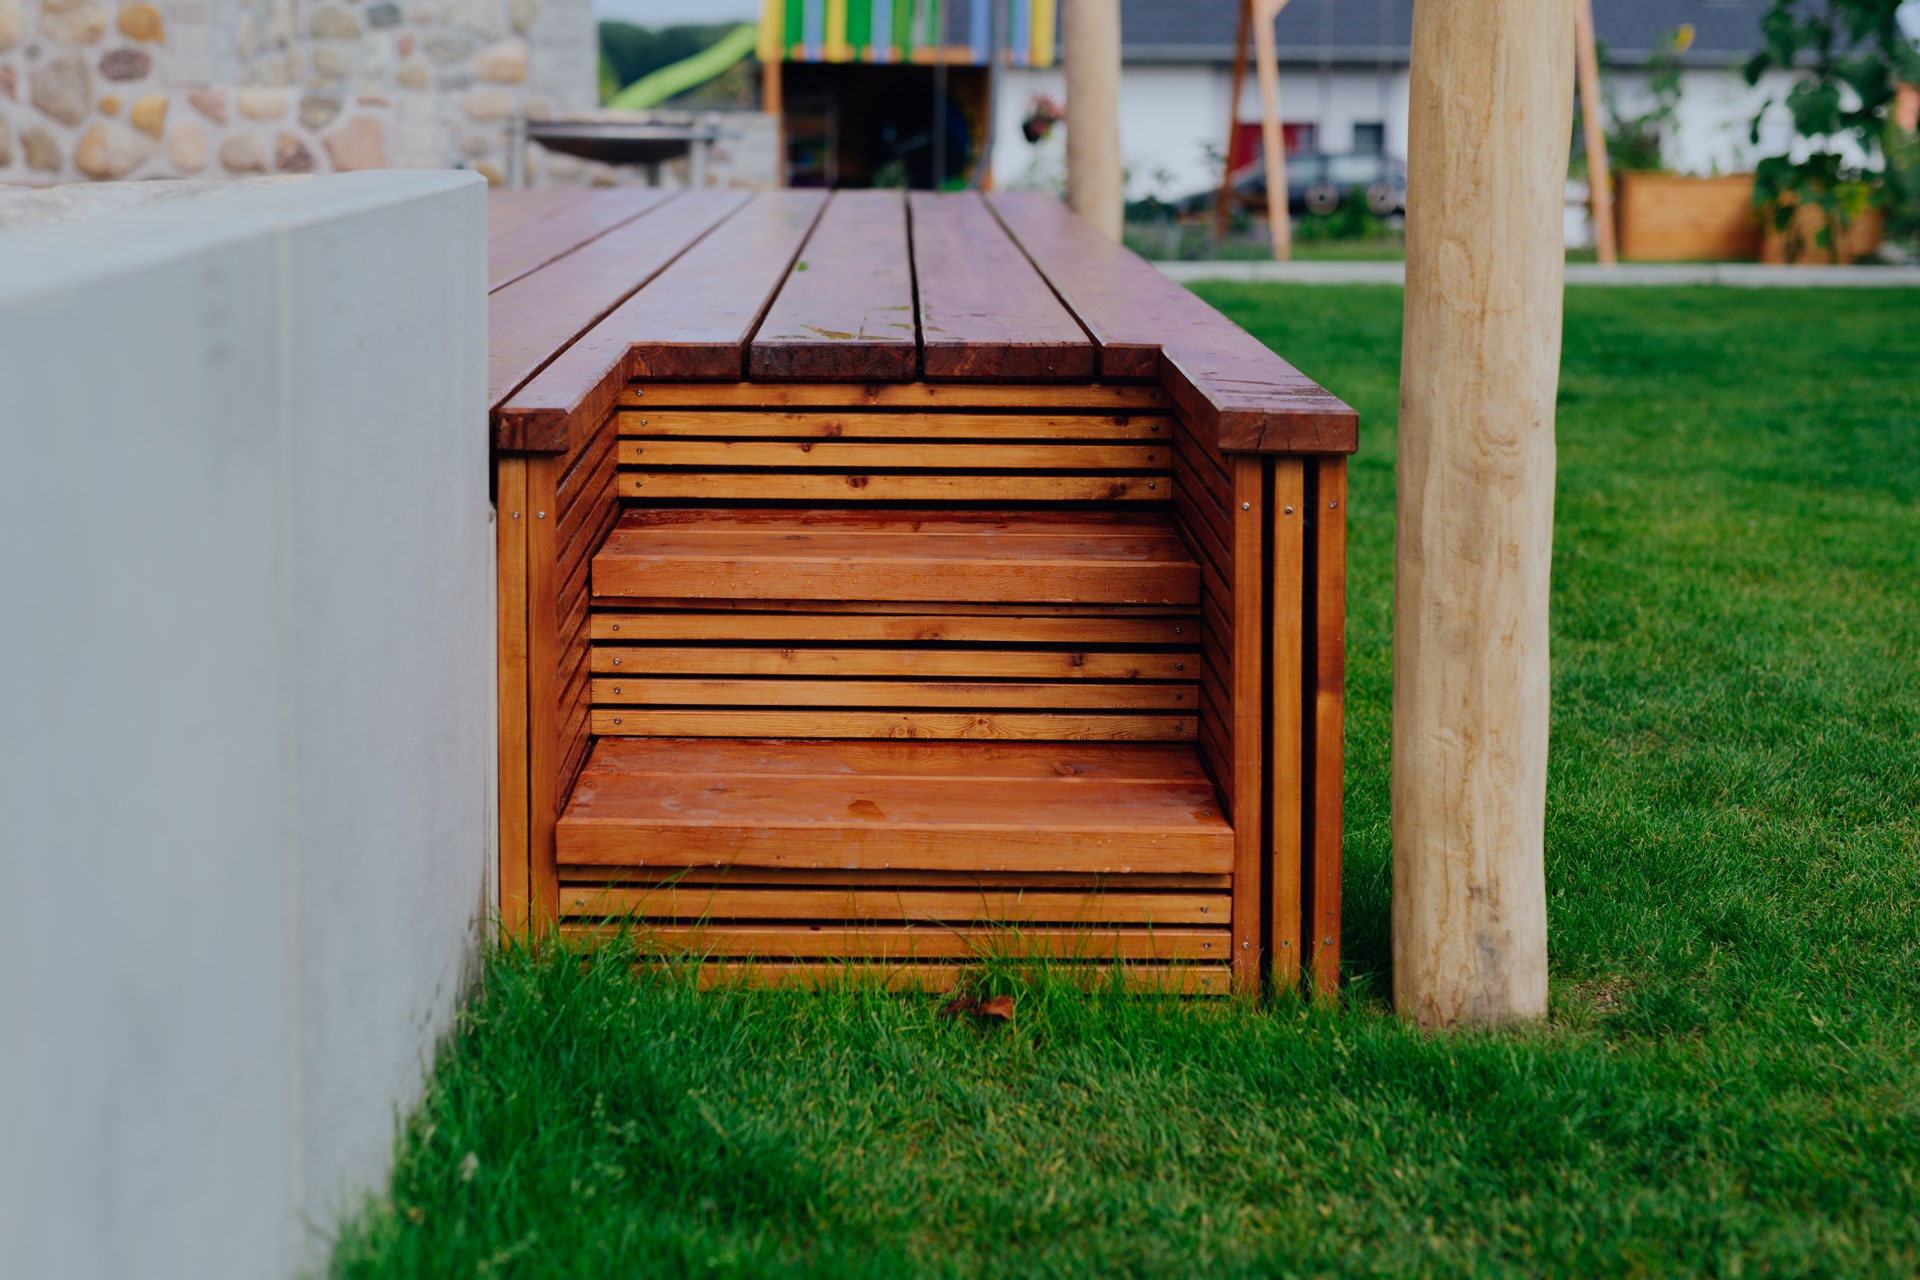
(246,711)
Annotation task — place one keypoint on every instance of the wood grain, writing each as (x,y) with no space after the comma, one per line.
(1071,695)
(923,628)
(879,425)
(1287,779)
(991,664)
(1108,397)
(978,725)
(852,456)
(1183,980)
(913,942)
(1247,650)
(846,308)
(678,901)
(985,314)
(516,253)
(511,605)
(878,486)
(1328,725)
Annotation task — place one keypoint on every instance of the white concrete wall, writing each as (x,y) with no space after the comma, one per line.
(246,711)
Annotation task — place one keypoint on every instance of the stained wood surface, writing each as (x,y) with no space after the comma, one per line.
(833,455)
(1109,397)
(1158,979)
(846,310)
(922,628)
(907,942)
(1233,388)
(638,803)
(678,901)
(532,320)
(510,209)
(985,314)
(992,664)
(732,425)
(565,228)
(1068,556)
(1071,695)
(1014,726)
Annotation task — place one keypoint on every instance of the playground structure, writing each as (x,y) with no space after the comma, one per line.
(904,579)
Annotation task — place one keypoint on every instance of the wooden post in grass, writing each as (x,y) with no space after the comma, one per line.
(1491,107)
(1093,112)
(1273,144)
(1223,202)
(1594,129)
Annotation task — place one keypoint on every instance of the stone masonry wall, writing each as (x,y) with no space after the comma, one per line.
(106,90)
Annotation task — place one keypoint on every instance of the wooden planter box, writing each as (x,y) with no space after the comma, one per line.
(1860,238)
(899,580)
(1668,217)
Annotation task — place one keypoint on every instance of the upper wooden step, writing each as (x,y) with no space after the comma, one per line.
(871,806)
(1052,557)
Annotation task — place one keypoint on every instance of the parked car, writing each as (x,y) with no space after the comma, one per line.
(1318,183)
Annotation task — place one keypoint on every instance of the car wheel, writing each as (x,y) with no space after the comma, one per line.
(1381,200)
(1323,197)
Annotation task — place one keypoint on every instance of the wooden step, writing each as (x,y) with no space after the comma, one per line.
(881,806)
(1053,556)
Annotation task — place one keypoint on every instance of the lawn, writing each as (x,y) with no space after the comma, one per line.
(1729,1083)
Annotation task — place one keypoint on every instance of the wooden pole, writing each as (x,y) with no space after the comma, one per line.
(1594,129)
(1273,147)
(1093,112)
(1223,204)
(1491,107)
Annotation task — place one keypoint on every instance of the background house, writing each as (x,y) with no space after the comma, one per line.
(1343,87)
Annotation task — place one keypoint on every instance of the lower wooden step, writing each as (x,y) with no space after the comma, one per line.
(1098,809)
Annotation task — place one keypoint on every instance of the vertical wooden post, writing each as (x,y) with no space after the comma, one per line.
(1093,112)
(1273,145)
(1594,129)
(773,102)
(1223,203)
(1491,108)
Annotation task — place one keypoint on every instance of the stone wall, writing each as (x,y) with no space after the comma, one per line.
(105,90)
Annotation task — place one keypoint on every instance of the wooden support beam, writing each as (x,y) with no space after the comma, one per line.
(1223,203)
(1093,112)
(1594,129)
(1491,106)
(1273,144)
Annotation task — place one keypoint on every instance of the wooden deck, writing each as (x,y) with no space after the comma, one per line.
(906,578)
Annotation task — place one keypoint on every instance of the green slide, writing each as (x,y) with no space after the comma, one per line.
(676,78)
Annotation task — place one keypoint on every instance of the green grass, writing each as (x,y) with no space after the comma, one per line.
(1729,1083)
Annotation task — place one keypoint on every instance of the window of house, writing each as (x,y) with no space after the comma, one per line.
(1369,137)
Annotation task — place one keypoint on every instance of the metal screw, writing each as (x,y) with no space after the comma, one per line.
(1327,941)
(616,719)
(616,627)
(1246,506)
(516,515)
(1332,504)
(616,688)
(1176,631)
(1155,427)
(616,661)
(1178,666)
(1289,510)
(540,515)
(1245,945)
(1152,485)
(1286,942)
(1204,910)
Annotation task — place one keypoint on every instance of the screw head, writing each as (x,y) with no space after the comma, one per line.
(1246,506)
(539,515)
(1332,504)
(1289,510)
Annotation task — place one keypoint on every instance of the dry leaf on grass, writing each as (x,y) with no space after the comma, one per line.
(996,1009)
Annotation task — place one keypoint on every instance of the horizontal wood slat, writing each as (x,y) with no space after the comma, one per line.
(994,456)
(992,628)
(877,486)
(1069,695)
(915,942)
(956,906)
(1183,980)
(881,424)
(988,664)
(515,253)
(971,726)
(1100,397)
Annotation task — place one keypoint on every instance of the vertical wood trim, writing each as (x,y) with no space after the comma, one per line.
(541,516)
(1287,780)
(1248,649)
(1329,718)
(511,568)
(1223,201)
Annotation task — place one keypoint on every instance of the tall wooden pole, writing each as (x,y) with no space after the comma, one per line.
(1273,144)
(1491,110)
(1594,129)
(1223,203)
(1092,40)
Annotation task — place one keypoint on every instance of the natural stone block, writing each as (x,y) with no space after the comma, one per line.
(489,104)
(110,105)
(244,153)
(125,64)
(333,23)
(360,143)
(187,146)
(451,46)
(318,110)
(142,22)
(290,154)
(62,87)
(8,88)
(502,63)
(404,45)
(149,115)
(6,142)
(381,16)
(263,104)
(482,17)
(13,23)
(108,151)
(522,13)
(41,149)
(333,61)
(414,73)
(72,21)
(211,103)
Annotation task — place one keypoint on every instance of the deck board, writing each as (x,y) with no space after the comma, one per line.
(846,310)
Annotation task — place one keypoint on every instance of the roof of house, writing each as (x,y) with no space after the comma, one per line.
(1370,32)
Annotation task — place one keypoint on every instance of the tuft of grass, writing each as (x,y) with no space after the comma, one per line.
(1729,1083)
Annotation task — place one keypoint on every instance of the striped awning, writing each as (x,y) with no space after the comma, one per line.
(1017,33)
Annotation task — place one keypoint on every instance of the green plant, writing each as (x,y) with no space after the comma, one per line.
(1351,219)
(1848,57)
(1638,142)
